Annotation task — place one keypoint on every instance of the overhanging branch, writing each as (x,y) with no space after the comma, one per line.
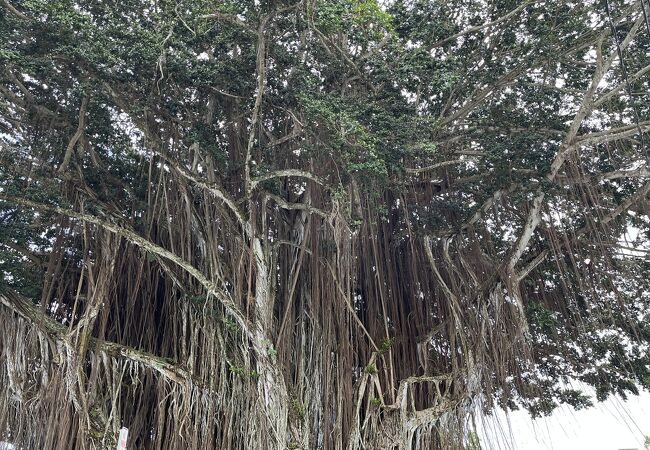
(149,246)
(434,166)
(215,190)
(287,173)
(282,203)
(24,308)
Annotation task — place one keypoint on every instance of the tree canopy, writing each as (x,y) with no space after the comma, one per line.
(318,224)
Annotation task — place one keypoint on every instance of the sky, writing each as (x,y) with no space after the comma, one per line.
(612,425)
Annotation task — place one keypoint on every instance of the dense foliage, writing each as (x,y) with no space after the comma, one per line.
(318,224)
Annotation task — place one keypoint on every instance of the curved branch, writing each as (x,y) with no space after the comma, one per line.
(232,18)
(282,203)
(485,207)
(76,136)
(158,148)
(24,308)
(485,25)
(641,172)
(287,173)
(613,134)
(149,246)
(434,166)
(602,99)
(12,9)
(260,73)
(210,187)
(624,206)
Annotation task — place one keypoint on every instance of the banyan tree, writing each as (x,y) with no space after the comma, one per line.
(318,224)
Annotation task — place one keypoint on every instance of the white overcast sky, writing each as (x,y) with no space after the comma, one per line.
(611,425)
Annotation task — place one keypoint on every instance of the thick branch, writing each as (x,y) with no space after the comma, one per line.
(210,187)
(485,25)
(57,332)
(620,209)
(158,148)
(489,203)
(434,166)
(602,99)
(228,18)
(641,172)
(76,136)
(586,107)
(626,204)
(260,72)
(12,9)
(287,173)
(480,95)
(149,246)
(282,203)
(613,134)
